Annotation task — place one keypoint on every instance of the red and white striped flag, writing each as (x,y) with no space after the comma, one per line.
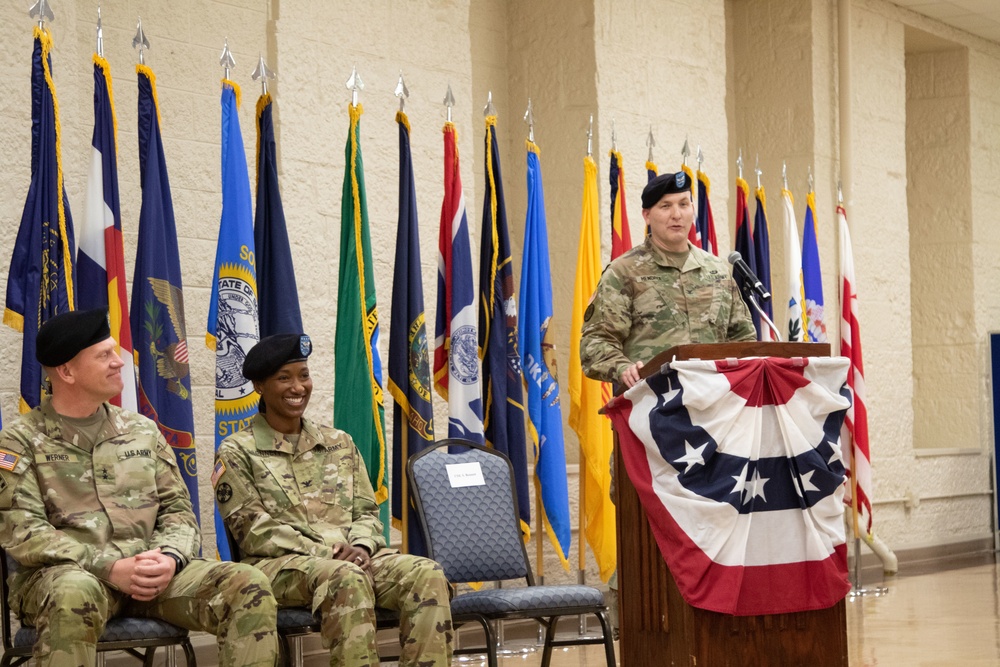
(854,434)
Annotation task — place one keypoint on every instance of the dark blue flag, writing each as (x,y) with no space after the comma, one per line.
(409,366)
(744,243)
(762,255)
(157,312)
(277,296)
(503,413)
(41,279)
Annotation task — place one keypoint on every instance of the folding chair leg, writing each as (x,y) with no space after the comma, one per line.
(172,656)
(550,636)
(188,653)
(297,657)
(100,659)
(609,638)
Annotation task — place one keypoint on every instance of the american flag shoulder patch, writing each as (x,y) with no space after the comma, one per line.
(220,468)
(8,460)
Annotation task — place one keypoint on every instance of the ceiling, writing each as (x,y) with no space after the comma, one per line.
(978,17)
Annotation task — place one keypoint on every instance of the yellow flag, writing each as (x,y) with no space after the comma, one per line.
(588,396)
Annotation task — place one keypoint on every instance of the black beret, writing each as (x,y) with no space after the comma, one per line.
(64,336)
(664,184)
(271,353)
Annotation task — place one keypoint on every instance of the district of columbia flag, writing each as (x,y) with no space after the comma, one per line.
(100,267)
(744,244)
(812,276)
(651,172)
(796,299)
(457,374)
(503,388)
(277,293)
(621,238)
(588,396)
(705,220)
(762,258)
(694,234)
(538,354)
(41,280)
(409,367)
(157,313)
(358,403)
(854,434)
(232,311)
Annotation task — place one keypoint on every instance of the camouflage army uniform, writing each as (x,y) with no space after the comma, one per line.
(644,305)
(67,514)
(288,504)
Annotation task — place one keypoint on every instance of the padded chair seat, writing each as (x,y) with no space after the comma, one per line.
(125,629)
(301,617)
(543,600)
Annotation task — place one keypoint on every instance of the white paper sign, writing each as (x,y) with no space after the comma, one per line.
(465,474)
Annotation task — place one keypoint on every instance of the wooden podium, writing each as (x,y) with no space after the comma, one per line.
(659,628)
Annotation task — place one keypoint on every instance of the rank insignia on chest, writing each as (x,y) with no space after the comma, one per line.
(8,460)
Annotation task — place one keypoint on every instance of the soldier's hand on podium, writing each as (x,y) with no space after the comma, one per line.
(631,374)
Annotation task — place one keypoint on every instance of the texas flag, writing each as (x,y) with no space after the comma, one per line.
(738,465)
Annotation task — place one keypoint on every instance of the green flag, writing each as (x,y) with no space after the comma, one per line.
(358,406)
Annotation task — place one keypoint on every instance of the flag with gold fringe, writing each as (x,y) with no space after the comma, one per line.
(232,310)
(812,276)
(744,242)
(705,220)
(762,258)
(588,396)
(796,311)
(694,234)
(538,352)
(621,238)
(158,326)
(41,281)
(276,291)
(100,262)
(503,413)
(409,368)
(358,405)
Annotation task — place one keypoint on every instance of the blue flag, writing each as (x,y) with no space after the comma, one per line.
(503,414)
(409,367)
(41,278)
(232,310)
(157,312)
(278,296)
(538,350)
(744,243)
(762,256)
(812,276)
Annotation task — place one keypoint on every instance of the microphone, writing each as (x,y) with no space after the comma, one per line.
(749,279)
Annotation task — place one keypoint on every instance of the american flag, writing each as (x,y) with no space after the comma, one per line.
(738,466)
(8,460)
(854,435)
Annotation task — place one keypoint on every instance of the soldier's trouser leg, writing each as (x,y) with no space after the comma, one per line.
(230,600)
(69,607)
(417,588)
(342,594)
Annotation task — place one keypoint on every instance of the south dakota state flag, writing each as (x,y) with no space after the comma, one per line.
(409,368)
(503,416)
(232,311)
(738,466)
(41,278)
(358,404)
(538,351)
(456,338)
(100,265)
(278,295)
(812,276)
(157,314)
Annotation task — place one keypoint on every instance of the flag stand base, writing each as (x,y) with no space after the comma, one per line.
(857,590)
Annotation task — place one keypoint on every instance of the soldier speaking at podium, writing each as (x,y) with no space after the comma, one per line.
(662,293)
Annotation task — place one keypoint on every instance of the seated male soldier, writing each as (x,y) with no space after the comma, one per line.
(95,512)
(297,498)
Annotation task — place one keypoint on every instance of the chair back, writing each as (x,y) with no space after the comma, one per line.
(8,566)
(473,531)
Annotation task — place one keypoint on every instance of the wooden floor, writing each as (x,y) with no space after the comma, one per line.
(946,618)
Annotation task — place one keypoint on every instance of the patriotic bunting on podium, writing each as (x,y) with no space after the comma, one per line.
(409,369)
(538,349)
(157,313)
(854,434)
(42,271)
(587,396)
(101,259)
(738,467)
